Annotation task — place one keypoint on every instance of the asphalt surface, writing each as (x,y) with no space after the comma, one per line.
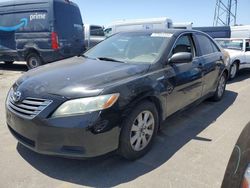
(192,150)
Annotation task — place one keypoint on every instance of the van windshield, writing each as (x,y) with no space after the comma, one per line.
(234,44)
(145,48)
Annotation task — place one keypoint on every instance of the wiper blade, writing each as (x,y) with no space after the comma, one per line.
(109,59)
(82,55)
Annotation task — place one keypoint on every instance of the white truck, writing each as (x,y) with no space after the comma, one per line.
(93,35)
(242,31)
(182,25)
(138,24)
(239,52)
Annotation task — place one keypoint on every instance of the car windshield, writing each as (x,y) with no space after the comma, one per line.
(231,44)
(144,48)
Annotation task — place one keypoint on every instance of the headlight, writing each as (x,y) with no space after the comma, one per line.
(85,105)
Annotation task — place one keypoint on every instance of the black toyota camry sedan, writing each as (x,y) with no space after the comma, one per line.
(115,96)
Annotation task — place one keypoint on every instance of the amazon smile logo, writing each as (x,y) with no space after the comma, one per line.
(23,23)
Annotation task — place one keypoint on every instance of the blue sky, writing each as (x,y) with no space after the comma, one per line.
(200,12)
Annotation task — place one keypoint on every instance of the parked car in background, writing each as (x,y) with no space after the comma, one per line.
(138,25)
(40,32)
(93,35)
(239,51)
(115,96)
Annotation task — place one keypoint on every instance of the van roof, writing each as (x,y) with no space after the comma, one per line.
(27,2)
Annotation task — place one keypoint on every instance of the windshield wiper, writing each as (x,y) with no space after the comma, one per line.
(82,55)
(109,59)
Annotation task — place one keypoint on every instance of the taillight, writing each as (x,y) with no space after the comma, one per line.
(54,41)
(244,183)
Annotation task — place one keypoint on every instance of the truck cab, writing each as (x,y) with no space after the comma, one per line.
(93,35)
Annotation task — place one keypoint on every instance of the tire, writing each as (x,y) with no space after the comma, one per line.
(136,137)
(218,95)
(9,62)
(233,70)
(33,60)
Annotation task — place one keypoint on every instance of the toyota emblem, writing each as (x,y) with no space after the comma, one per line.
(16,96)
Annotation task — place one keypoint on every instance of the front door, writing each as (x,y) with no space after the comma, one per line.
(185,78)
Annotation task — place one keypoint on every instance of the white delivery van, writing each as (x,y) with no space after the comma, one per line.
(138,24)
(184,25)
(240,31)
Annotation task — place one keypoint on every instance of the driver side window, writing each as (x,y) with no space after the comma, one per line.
(184,44)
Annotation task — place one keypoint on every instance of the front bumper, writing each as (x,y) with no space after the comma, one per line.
(82,136)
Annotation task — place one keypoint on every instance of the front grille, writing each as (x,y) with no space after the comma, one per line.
(29,107)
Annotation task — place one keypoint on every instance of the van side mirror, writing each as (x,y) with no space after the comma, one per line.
(181,57)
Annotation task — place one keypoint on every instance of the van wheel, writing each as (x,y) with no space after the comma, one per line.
(9,62)
(139,131)
(33,60)
(220,88)
(233,70)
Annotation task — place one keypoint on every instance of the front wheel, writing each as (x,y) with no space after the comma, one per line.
(233,70)
(138,131)
(220,88)
(33,61)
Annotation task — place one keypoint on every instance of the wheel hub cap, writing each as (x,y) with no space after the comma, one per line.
(142,130)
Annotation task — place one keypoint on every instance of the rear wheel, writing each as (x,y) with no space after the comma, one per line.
(33,60)
(233,70)
(220,88)
(9,62)
(139,131)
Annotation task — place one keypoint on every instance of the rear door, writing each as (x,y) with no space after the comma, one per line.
(69,27)
(212,58)
(185,82)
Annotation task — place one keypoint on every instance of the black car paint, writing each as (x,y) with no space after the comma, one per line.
(170,86)
(239,160)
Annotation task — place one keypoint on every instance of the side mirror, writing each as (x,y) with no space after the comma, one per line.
(181,57)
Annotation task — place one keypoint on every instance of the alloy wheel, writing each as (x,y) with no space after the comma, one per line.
(221,86)
(142,130)
(233,70)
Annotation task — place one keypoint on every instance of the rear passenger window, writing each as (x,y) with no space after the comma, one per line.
(184,44)
(207,46)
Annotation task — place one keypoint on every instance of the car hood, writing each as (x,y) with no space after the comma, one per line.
(76,77)
(234,52)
